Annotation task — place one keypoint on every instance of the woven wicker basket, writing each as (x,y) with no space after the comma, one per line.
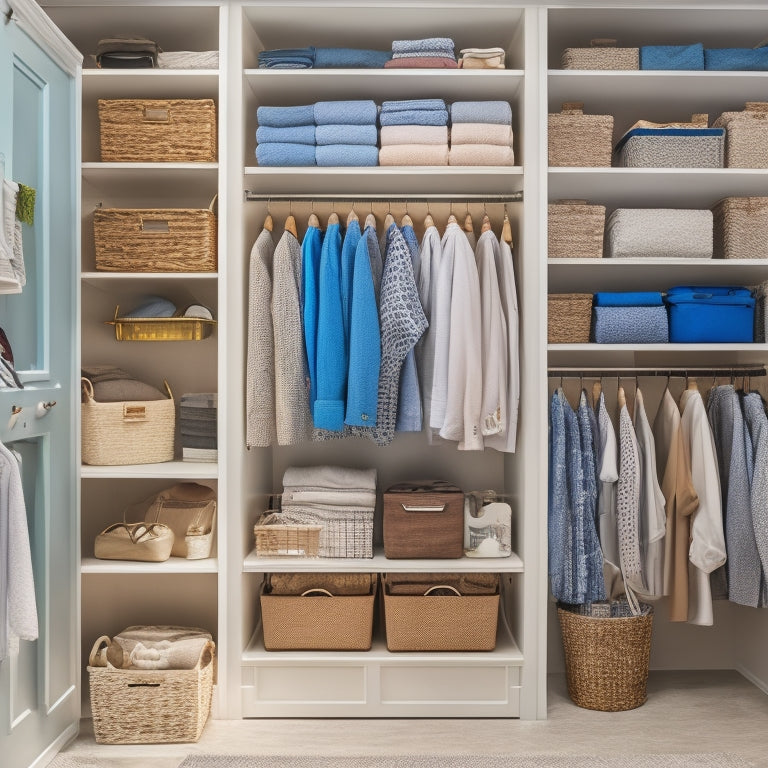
(741,228)
(575,230)
(569,317)
(606,659)
(155,239)
(580,140)
(343,533)
(157,130)
(132,706)
(277,540)
(746,136)
(134,432)
(602,54)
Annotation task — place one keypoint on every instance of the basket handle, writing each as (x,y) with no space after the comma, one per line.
(212,205)
(168,389)
(157,115)
(570,201)
(87,387)
(700,118)
(573,107)
(417,508)
(603,42)
(96,658)
(316,592)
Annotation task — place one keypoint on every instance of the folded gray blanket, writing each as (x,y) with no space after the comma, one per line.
(329,477)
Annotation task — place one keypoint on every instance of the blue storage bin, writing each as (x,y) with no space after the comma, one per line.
(707,314)
(629,299)
(672,56)
(631,325)
(737,59)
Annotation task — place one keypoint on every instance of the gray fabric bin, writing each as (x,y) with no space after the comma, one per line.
(658,233)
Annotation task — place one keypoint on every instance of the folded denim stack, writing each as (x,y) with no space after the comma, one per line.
(414,132)
(197,418)
(346,133)
(481,58)
(427,53)
(323,58)
(634,317)
(285,136)
(287,58)
(481,133)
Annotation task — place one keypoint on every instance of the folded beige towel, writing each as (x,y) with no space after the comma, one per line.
(480,154)
(481,133)
(413,134)
(414,154)
(472,63)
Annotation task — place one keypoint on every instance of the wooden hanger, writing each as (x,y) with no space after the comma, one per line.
(333,219)
(290,226)
(622,397)
(486,225)
(370,220)
(313,220)
(352,217)
(428,221)
(692,385)
(452,219)
(268,223)
(406,221)
(389,221)
(469,225)
(597,389)
(506,230)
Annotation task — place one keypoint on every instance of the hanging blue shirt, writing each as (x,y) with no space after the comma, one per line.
(311,247)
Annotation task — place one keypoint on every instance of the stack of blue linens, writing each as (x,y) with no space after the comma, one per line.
(285,136)
(428,52)
(346,133)
(414,132)
(633,317)
(323,58)
(481,133)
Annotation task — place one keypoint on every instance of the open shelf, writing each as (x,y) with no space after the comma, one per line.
(172,565)
(181,470)
(150,84)
(659,355)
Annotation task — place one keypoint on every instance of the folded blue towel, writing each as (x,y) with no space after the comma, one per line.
(153,306)
(276,154)
(354,58)
(287,58)
(631,325)
(424,44)
(738,59)
(345,112)
(284,117)
(672,56)
(628,299)
(294,134)
(346,154)
(286,64)
(498,112)
(346,134)
(279,53)
(409,104)
(415,117)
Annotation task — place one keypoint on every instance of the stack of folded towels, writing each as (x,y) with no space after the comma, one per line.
(427,53)
(285,136)
(197,419)
(346,133)
(414,132)
(481,58)
(481,133)
(323,58)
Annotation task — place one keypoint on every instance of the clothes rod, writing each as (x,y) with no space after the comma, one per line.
(514,197)
(736,370)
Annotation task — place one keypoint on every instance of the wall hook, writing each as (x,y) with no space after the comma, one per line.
(42,409)
(15,413)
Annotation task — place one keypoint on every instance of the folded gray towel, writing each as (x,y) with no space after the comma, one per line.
(327,477)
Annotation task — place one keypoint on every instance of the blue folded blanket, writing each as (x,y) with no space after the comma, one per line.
(279,53)
(424,44)
(672,56)
(287,58)
(346,58)
(346,134)
(283,117)
(345,112)
(276,154)
(346,154)
(498,112)
(286,64)
(628,299)
(294,134)
(738,59)
(415,117)
(410,104)
(631,325)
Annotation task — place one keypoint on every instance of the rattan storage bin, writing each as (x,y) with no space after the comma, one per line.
(746,136)
(569,317)
(274,539)
(606,659)
(741,228)
(150,706)
(602,54)
(575,230)
(126,432)
(322,622)
(157,130)
(155,239)
(161,328)
(580,140)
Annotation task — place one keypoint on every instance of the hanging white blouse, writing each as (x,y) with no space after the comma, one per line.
(628,505)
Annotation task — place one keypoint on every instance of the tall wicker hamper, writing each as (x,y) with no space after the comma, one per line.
(150,706)
(569,318)
(155,239)
(575,230)
(606,659)
(746,136)
(602,54)
(157,130)
(741,228)
(579,140)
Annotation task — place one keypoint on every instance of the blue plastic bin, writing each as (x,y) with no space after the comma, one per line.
(707,314)
(672,56)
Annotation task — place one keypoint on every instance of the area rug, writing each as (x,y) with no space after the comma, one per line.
(472,761)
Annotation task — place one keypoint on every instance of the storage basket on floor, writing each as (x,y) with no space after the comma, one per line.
(746,136)
(607,658)
(320,622)
(150,706)
(602,54)
(157,130)
(569,318)
(580,140)
(155,239)
(575,230)
(741,228)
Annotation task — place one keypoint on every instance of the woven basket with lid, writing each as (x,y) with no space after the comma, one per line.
(579,140)
(746,136)
(602,54)
(575,230)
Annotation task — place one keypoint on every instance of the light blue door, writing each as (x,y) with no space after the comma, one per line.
(40,684)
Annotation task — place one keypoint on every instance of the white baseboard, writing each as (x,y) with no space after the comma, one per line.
(54,749)
(756,681)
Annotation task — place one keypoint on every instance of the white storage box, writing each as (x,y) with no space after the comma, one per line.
(659,233)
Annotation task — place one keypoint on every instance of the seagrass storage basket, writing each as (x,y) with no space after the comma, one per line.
(157,130)
(155,239)
(575,230)
(150,706)
(274,539)
(569,318)
(746,136)
(741,228)
(318,620)
(126,432)
(606,658)
(602,54)
(580,140)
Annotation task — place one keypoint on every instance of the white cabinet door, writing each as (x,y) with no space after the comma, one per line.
(40,684)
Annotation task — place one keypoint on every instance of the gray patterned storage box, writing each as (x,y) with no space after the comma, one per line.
(657,233)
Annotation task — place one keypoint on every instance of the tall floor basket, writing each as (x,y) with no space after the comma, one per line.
(606,659)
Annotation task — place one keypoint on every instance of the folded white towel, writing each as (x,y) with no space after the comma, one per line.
(414,154)
(481,154)
(481,133)
(413,134)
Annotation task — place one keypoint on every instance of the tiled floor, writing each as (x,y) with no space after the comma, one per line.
(685,712)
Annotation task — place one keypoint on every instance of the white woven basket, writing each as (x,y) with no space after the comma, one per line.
(633,233)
